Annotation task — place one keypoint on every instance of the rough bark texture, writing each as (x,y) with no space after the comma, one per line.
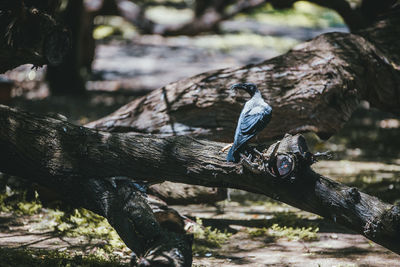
(29,34)
(183,194)
(55,152)
(314,87)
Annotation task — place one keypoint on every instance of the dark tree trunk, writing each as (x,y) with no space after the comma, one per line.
(69,77)
(57,153)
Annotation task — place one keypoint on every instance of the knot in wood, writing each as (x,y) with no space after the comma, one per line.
(353,195)
(282,166)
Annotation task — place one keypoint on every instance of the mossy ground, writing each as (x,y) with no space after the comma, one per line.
(11,257)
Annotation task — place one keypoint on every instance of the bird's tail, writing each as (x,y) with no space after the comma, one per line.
(232,157)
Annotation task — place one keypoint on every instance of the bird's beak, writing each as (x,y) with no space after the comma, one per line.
(237,86)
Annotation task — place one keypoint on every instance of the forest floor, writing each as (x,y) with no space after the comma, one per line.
(253,230)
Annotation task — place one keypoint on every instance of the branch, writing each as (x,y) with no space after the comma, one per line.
(314,87)
(54,151)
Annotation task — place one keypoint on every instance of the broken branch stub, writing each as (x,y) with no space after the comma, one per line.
(282,159)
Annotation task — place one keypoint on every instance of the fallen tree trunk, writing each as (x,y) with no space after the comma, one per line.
(54,152)
(314,87)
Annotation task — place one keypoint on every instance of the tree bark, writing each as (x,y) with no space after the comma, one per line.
(183,194)
(314,87)
(55,153)
(70,76)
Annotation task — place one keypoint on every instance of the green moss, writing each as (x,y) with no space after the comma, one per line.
(29,257)
(292,219)
(75,223)
(303,14)
(81,222)
(206,238)
(258,232)
(107,26)
(29,208)
(226,42)
(303,233)
(15,201)
(290,233)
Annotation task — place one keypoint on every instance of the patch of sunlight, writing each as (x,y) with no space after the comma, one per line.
(229,41)
(102,31)
(389,123)
(347,167)
(303,14)
(113,25)
(167,15)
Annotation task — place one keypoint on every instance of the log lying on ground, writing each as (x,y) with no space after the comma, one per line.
(55,152)
(314,87)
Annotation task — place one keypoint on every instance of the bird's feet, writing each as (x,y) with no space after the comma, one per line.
(258,153)
(252,166)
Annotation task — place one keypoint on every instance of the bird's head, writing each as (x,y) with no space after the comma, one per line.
(250,88)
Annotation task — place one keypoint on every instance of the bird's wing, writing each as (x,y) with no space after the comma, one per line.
(250,124)
(254,121)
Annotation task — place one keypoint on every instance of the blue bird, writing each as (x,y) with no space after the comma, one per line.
(254,117)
